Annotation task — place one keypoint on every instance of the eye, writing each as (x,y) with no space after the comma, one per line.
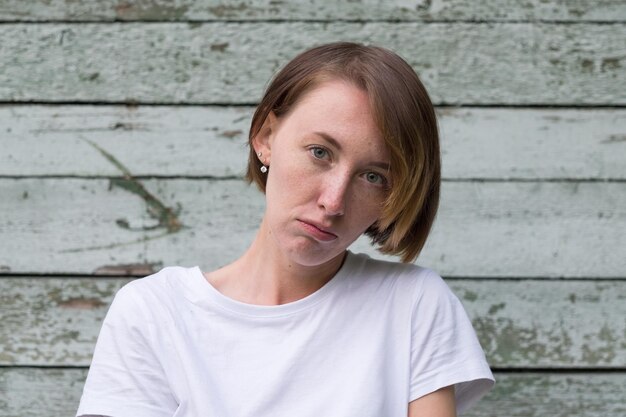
(318,152)
(375,178)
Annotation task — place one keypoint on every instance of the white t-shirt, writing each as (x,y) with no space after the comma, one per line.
(375,337)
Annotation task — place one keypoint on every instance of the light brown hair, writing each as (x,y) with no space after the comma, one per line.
(405,116)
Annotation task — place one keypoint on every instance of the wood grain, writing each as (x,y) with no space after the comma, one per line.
(484,229)
(397,10)
(477,143)
(56,392)
(521,324)
(576,64)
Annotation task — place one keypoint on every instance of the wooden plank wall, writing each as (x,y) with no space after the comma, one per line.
(122,144)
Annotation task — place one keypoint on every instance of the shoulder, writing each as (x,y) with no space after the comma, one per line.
(410,277)
(158,289)
(163,280)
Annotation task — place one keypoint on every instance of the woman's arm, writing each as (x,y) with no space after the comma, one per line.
(436,404)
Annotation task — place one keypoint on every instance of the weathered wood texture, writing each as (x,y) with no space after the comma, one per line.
(403,10)
(481,143)
(56,393)
(572,64)
(521,324)
(499,229)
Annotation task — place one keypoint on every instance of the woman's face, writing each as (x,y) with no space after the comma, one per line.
(328,173)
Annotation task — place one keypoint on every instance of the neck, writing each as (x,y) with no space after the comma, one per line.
(264,275)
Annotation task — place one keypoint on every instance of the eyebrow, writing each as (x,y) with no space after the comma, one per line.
(335,143)
(329,139)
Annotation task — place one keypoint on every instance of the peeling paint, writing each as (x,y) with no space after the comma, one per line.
(90,77)
(150,11)
(470,296)
(127,126)
(129,269)
(496,307)
(220,47)
(227,11)
(424,6)
(598,355)
(615,139)
(82,303)
(66,34)
(231,133)
(506,343)
(587,65)
(610,64)
(66,337)
(166,216)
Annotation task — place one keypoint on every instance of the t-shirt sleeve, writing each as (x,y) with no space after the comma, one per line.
(444,348)
(126,378)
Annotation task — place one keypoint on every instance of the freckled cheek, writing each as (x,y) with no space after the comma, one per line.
(292,181)
(368,202)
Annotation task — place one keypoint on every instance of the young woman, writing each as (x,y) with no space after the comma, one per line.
(344,142)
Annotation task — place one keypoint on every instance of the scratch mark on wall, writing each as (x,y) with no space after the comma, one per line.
(166,216)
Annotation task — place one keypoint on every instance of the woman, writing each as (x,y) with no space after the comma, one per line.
(344,142)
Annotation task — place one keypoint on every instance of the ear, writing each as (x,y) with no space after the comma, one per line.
(263,141)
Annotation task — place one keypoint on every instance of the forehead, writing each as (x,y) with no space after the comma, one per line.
(335,95)
(338,108)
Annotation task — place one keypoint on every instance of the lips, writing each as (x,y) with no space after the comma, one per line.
(317,231)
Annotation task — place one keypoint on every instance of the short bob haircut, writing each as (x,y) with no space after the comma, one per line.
(405,117)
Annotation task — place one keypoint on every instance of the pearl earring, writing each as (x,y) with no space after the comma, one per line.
(263,167)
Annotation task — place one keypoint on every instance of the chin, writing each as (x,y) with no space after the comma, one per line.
(313,255)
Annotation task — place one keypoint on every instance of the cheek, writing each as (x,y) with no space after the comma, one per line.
(366,206)
(370,197)
(289,181)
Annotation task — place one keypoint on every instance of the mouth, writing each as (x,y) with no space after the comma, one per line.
(317,231)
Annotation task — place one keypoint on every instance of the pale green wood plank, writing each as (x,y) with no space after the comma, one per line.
(40,392)
(496,143)
(232,62)
(500,229)
(169,140)
(555,395)
(403,10)
(532,323)
(56,392)
(52,321)
(521,324)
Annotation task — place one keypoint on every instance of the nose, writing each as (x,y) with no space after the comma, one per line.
(333,195)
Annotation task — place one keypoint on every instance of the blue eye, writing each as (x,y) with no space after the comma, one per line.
(375,178)
(319,153)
